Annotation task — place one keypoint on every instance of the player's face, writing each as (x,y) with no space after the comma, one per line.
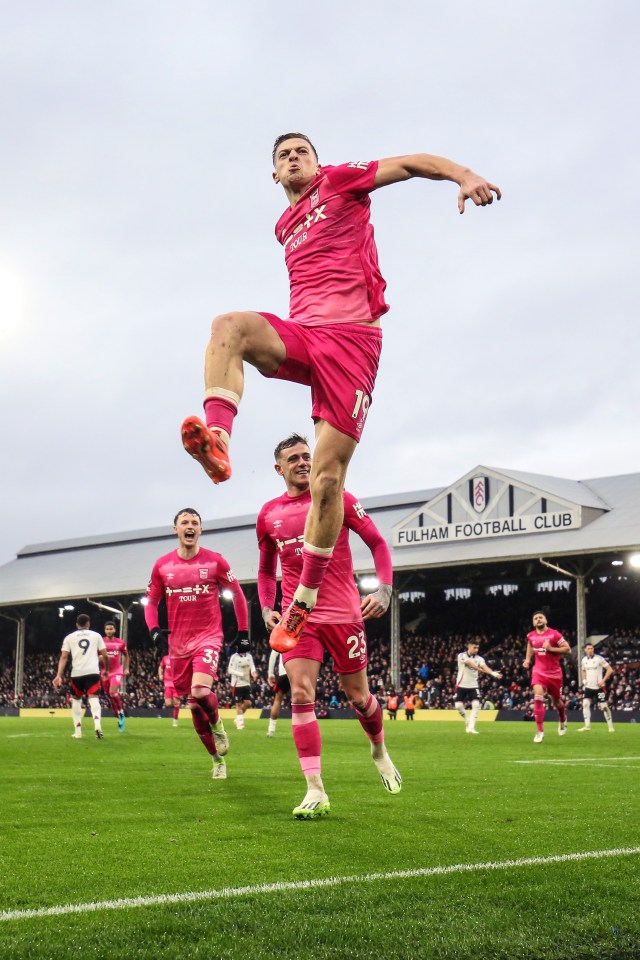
(109,631)
(540,622)
(589,649)
(295,164)
(188,529)
(294,466)
(472,649)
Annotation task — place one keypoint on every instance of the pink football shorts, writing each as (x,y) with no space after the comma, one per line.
(170,693)
(339,361)
(346,644)
(204,660)
(552,685)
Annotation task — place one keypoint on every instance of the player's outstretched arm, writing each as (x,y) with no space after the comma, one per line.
(429,167)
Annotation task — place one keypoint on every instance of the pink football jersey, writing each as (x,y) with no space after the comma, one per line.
(115,649)
(167,677)
(280,530)
(191,589)
(546,664)
(330,249)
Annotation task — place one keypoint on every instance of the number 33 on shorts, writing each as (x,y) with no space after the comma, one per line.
(211,656)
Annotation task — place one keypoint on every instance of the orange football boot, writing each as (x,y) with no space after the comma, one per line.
(207,447)
(286,634)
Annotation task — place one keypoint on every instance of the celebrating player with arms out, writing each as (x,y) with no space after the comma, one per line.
(470,665)
(547,645)
(336,624)
(332,338)
(190,579)
(118,668)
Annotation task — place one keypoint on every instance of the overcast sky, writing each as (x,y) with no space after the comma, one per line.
(137,203)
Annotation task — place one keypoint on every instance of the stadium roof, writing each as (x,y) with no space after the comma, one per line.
(488,516)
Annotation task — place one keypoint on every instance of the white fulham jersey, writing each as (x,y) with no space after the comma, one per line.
(594,669)
(240,668)
(467,676)
(83,645)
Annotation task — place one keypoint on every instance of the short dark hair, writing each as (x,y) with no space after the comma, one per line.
(110,623)
(536,612)
(186,510)
(83,621)
(291,136)
(289,441)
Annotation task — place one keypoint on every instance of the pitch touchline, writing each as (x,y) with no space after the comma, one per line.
(575,760)
(229,892)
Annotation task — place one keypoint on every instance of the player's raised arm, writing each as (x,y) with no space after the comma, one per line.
(429,167)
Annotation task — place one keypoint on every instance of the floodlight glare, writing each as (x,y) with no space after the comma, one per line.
(616,563)
(369,583)
(69,606)
(226,595)
(144,601)
(634,560)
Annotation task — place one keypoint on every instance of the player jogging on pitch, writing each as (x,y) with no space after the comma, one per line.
(596,672)
(87,651)
(171,698)
(547,646)
(118,668)
(331,340)
(189,579)
(336,624)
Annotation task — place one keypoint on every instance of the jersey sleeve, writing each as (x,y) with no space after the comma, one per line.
(354,179)
(227,580)
(356,519)
(154,595)
(267,566)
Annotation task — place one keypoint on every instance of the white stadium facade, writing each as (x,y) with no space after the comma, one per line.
(492,530)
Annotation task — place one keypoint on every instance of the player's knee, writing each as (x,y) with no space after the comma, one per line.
(303,693)
(358,702)
(327,485)
(200,693)
(226,328)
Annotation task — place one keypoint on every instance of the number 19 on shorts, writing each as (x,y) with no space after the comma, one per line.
(361,406)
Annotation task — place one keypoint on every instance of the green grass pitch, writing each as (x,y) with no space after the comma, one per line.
(137,815)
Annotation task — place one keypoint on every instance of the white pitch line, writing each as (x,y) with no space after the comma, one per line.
(297,885)
(576,760)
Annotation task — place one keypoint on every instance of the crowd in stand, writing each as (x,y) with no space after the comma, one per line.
(427,670)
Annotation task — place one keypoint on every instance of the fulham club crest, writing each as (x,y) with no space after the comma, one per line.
(479,493)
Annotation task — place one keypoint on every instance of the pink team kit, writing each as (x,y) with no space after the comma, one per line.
(193,609)
(115,649)
(167,679)
(336,622)
(337,291)
(547,669)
